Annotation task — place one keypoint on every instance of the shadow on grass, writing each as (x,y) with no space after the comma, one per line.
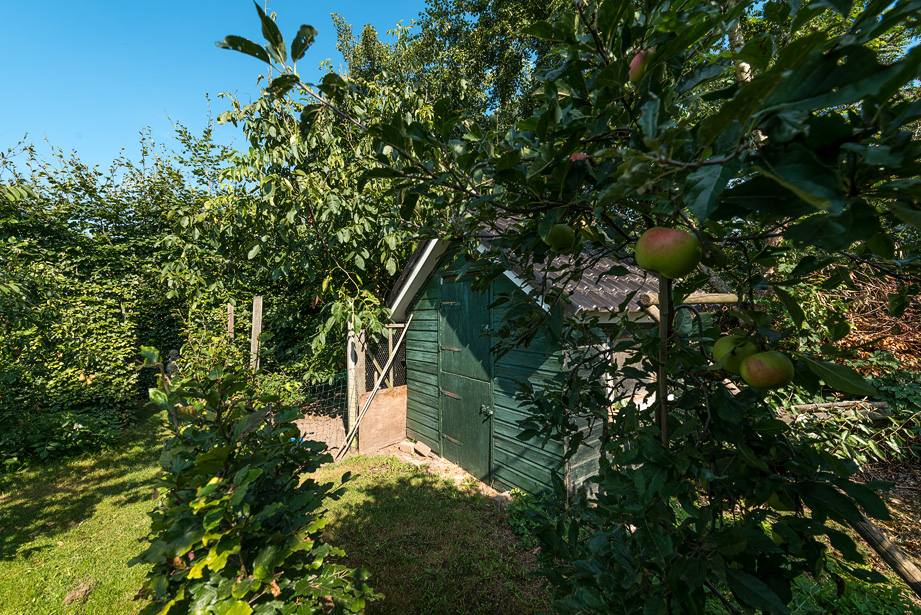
(45,501)
(430,547)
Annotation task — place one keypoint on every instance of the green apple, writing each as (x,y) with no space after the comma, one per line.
(735,349)
(767,370)
(670,252)
(561,238)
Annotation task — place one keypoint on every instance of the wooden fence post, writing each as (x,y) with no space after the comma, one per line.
(352,354)
(389,352)
(254,335)
(361,378)
(230,328)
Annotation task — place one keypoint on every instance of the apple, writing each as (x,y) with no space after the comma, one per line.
(561,237)
(735,349)
(639,63)
(767,370)
(670,252)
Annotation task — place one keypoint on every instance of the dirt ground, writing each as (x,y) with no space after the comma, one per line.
(442,467)
(904,501)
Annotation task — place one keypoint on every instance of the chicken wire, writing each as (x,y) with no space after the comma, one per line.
(326,413)
(377,350)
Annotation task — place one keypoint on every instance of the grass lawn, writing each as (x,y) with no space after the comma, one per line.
(73,525)
(430,547)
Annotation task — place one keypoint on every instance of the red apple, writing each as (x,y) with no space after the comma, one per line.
(667,251)
(767,370)
(639,63)
(735,349)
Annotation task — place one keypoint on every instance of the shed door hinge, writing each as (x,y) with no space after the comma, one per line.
(451,348)
(449,303)
(447,437)
(450,394)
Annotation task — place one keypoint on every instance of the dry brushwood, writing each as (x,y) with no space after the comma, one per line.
(872,324)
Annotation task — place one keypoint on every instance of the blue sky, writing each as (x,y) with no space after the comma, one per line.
(90,75)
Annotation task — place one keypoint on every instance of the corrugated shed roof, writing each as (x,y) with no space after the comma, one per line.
(603,285)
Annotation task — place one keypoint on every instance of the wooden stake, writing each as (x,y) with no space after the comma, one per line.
(230,329)
(667,309)
(254,334)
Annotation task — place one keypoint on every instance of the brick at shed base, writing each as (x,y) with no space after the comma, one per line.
(406,447)
(423,449)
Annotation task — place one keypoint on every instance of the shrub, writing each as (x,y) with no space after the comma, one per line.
(237,528)
(527,513)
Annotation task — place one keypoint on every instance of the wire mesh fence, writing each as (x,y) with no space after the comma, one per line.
(378,349)
(326,412)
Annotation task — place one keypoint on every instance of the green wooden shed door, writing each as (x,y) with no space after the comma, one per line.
(465,423)
(466,371)
(464,318)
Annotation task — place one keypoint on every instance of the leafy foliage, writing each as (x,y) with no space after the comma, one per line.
(79,266)
(238,529)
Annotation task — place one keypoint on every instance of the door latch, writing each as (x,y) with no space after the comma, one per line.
(486,410)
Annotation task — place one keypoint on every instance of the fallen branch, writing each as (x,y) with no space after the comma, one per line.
(649,299)
(890,553)
(840,404)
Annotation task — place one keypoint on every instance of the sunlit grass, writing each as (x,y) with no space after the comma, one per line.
(75,524)
(430,547)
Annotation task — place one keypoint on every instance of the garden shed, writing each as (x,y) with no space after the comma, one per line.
(460,397)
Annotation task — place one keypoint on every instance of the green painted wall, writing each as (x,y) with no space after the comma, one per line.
(422,392)
(515,464)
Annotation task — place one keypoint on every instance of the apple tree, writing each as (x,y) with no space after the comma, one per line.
(703,494)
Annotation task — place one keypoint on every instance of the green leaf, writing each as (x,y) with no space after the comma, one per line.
(867,499)
(898,302)
(539,29)
(704,185)
(302,41)
(408,206)
(758,51)
(800,172)
(754,592)
(818,495)
(792,306)
(244,45)
(703,74)
(841,377)
(272,34)
(282,84)
(150,355)
(233,607)
(907,213)
(740,107)
(159,397)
